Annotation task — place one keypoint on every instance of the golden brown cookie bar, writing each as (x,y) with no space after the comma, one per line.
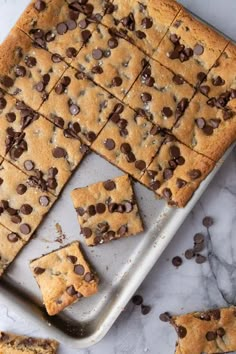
(75,99)
(176,172)
(48,154)
(206,129)
(16,344)
(160,95)
(10,245)
(22,207)
(190,48)
(15,116)
(107,210)
(26,72)
(110,61)
(128,141)
(144,22)
(59,27)
(63,277)
(207,332)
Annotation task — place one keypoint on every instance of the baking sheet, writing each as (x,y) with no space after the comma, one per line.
(121,265)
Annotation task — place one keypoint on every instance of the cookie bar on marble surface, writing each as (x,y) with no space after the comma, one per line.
(10,245)
(14,344)
(27,72)
(111,61)
(190,48)
(107,210)
(176,172)
(128,141)
(144,23)
(63,277)
(160,95)
(206,129)
(48,154)
(22,206)
(77,100)
(207,332)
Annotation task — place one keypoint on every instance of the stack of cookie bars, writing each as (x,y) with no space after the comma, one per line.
(141,83)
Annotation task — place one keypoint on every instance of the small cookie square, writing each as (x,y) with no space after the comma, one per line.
(128,141)
(206,129)
(14,344)
(29,73)
(190,48)
(107,210)
(111,61)
(63,277)
(22,204)
(160,95)
(176,172)
(77,100)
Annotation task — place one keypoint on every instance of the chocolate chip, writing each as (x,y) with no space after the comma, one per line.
(91,136)
(40,5)
(198,247)
(109,185)
(26,209)
(167,193)
(40,86)
(7,81)
(74,109)
(137,300)
(71,52)
(59,152)
(3,103)
(97,54)
(200,122)
(220,332)
(80,211)
(215,314)
(201,76)
(128,206)
(167,112)
(154,185)
(29,165)
(208,130)
(147,22)
(198,49)
(109,144)
(71,24)
(87,232)
(165,317)
(20,71)
(100,208)
(207,221)
(62,28)
(200,259)
(130,157)
(194,174)
(204,89)
(25,229)
(145,309)
(30,62)
(39,270)
(86,34)
(117,81)
(181,331)
(210,336)
(177,261)
(71,291)
(146,97)
(113,43)
(44,200)
(72,259)
(56,58)
(189,254)
(91,210)
(21,189)
(178,79)
(79,269)
(218,81)
(88,277)
(198,238)
(174,151)
(13,237)
(16,219)
(122,230)
(140,165)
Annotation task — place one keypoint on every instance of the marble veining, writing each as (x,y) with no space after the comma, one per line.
(191,286)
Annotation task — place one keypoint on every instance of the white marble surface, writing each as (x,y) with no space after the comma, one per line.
(192,286)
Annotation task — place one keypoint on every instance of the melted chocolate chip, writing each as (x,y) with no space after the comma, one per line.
(39,270)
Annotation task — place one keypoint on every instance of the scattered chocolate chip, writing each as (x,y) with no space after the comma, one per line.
(181,331)
(74,109)
(109,144)
(200,122)
(218,81)
(117,81)
(165,317)
(71,52)
(40,5)
(178,79)
(62,28)
(210,336)
(146,97)
(20,71)
(59,152)
(100,208)
(44,200)
(145,309)
(29,165)
(72,259)
(207,221)
(194,174)
(80,211)
(79,269)
(97,54)
(7,81)
(109,185)
(88,277)
(198,247)
(113,43)
(200,259)
(39,270)
(122,230)
(25,229)
(177,261)
(86,231)
(198,238)
(71,291)
(91,210)
(189,254)
(204,89)
(198,49)
(167,193)
(21,189)
(137,300)
(167,112)
(12,237)
(174,151)
(140,165)
(220,332)
(26,209)
(56,58)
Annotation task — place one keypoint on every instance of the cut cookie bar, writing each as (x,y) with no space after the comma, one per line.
(159,95)
(190,48)
(206,129)
(22,207)
(63,277)
(128,141)
(110,61)
(107,210)
(16,344)
(176,172)
(15,116)
(144,22)
(10,245)
(27,72)
(77,100)
(207,332)
(48,154)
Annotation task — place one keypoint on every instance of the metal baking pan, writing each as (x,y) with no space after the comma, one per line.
(121,265)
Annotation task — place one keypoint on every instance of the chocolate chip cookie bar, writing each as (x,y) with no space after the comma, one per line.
(206,129)
(22,205)
(77,100)
(110,61)
(190,48)
(28,73)
(207,332)
(159,95)
(107,211)
(10,245)
(176,172)
(15,344)
(48,154)
(63,277)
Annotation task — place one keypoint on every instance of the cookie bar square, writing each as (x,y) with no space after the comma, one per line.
(63,277)
(128,141)
(14,344)
(27,72)
(176,172)
(107,210)
(77,100)
(110,61)
(48,154)
(190,48)
(207,332)
(59,27)
(206,129)
(22,207)
(10,245)
(160,95)
(144,22)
